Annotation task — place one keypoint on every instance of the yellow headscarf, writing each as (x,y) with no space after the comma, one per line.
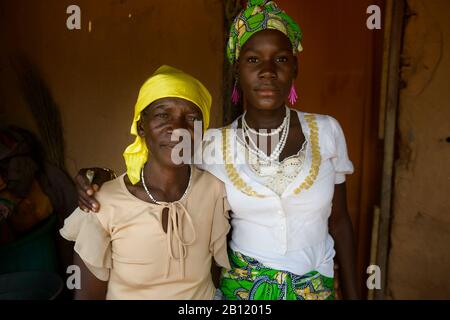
(166,82)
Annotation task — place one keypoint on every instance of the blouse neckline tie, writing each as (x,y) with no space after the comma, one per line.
(175,220)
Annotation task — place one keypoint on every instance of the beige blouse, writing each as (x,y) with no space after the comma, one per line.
(125,243)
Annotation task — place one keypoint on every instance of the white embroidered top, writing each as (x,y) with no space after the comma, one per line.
(285,230)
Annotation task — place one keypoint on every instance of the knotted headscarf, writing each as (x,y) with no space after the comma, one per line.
(261,15)
(166,82)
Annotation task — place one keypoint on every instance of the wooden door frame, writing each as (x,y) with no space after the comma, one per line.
(395,22)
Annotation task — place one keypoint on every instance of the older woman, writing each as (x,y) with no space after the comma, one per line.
(284,172)
(161,222)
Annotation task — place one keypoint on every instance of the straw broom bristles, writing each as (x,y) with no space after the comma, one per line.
(44,109)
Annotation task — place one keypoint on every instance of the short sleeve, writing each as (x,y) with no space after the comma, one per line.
(92,242)
(219,232)
(341,163)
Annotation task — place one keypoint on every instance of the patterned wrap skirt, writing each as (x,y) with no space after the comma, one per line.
(250,280)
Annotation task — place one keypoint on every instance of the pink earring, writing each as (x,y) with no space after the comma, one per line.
(293,95)
(235,94)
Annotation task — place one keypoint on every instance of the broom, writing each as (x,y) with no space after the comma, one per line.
(44,109)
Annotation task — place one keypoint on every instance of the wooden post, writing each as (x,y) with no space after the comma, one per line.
(390,124)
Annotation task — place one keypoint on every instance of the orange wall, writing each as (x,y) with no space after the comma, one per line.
(95,76)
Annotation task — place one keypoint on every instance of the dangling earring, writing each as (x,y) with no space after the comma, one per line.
(235,94)
(293,95)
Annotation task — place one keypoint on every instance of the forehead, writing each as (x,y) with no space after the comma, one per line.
(268,39)
(174,103)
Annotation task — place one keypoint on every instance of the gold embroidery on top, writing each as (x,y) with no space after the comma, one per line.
(315,154)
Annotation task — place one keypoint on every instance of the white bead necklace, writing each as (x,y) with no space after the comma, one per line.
(275,153)
(264,134)
(252,146)
(160,202)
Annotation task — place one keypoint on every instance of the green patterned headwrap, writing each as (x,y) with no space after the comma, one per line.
(261,15)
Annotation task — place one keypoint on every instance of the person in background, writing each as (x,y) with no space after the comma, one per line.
(35,198)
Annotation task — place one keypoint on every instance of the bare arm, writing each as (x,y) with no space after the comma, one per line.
(215,274)
(341,230)
(91,287)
